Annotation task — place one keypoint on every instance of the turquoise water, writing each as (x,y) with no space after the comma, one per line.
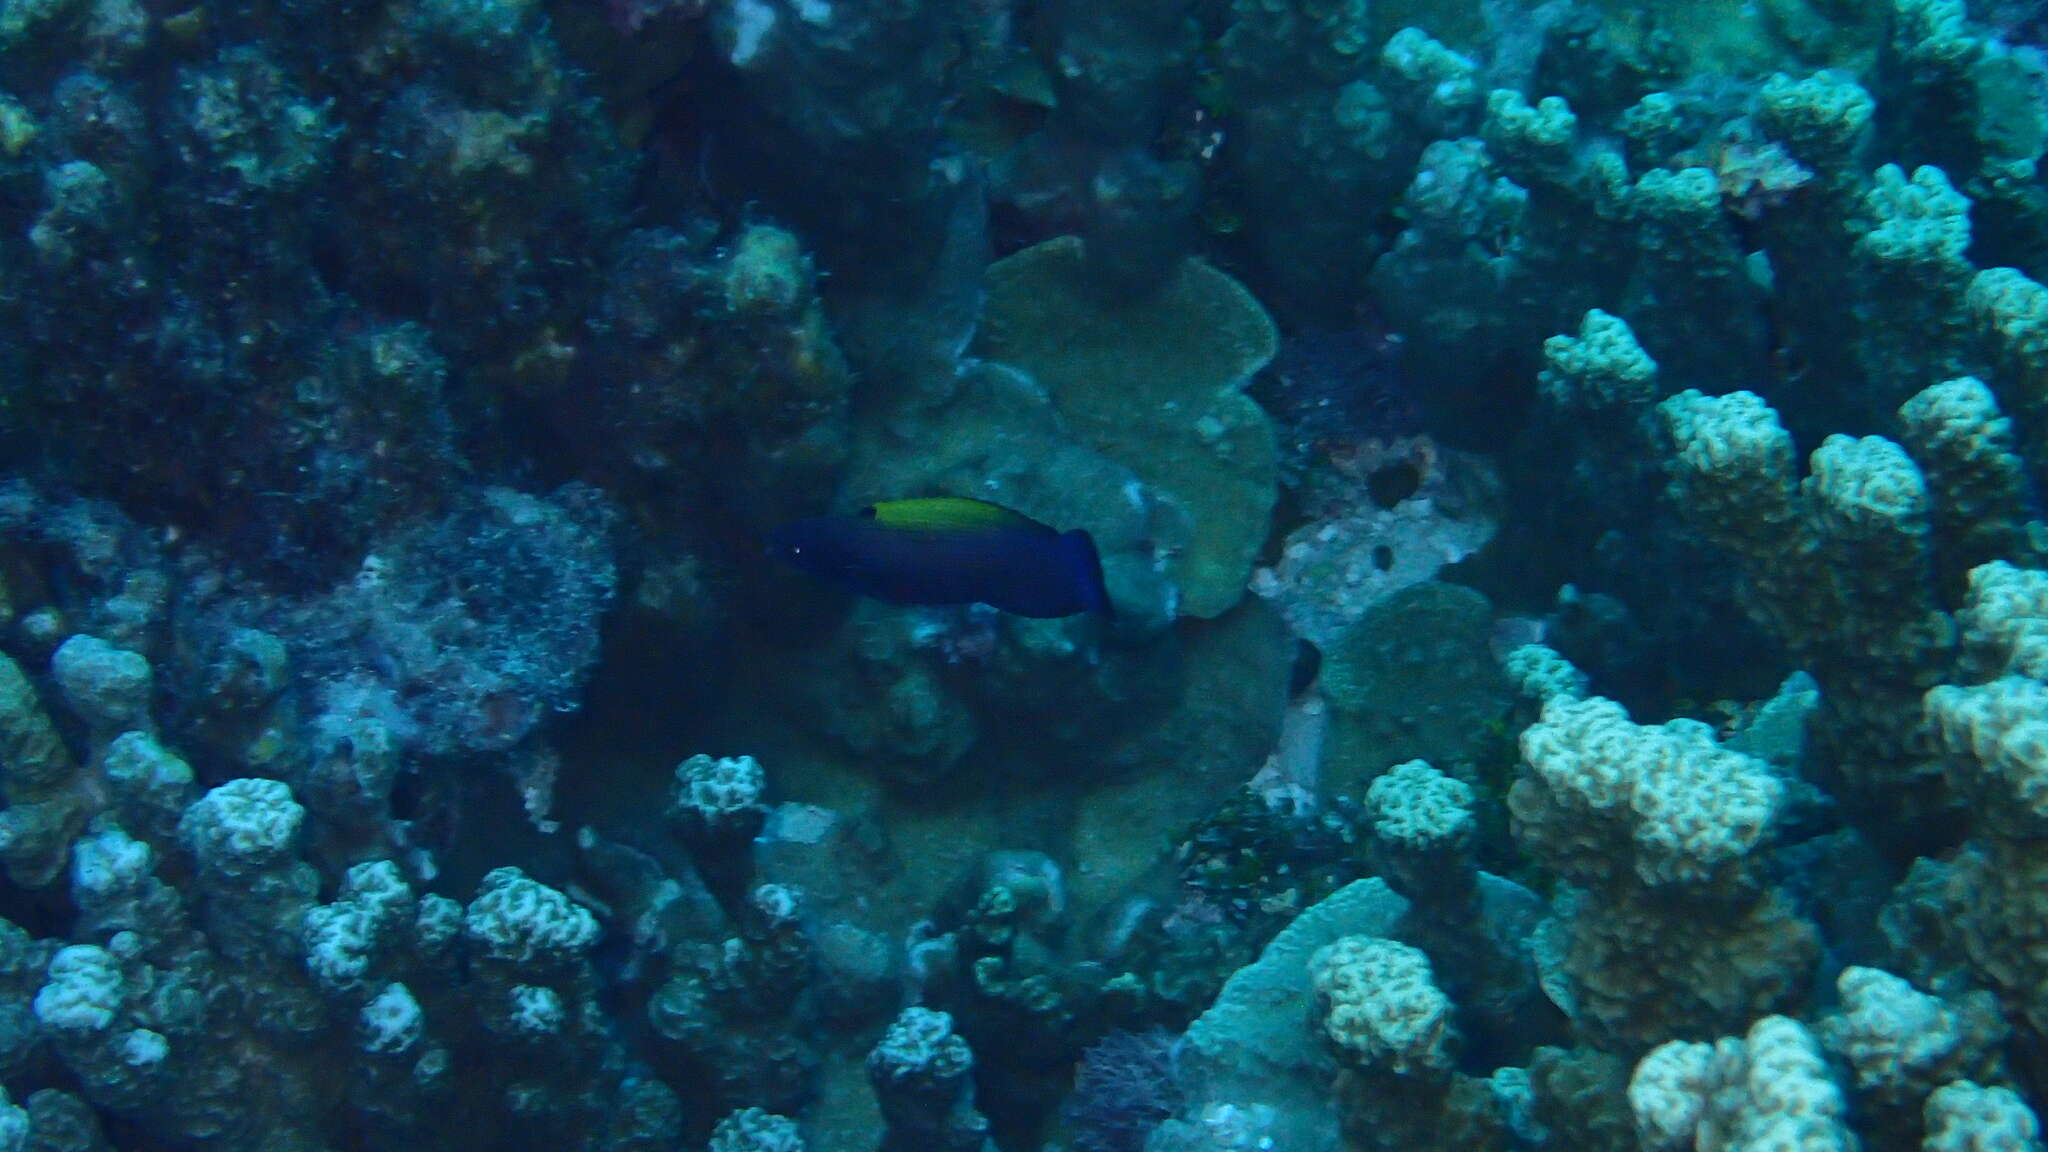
(1526,517)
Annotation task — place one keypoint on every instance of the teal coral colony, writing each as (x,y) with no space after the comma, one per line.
(1437,575)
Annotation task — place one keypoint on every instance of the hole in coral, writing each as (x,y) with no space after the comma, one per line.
(1308,664)
(1392,484)
(408,796)
(1382,557)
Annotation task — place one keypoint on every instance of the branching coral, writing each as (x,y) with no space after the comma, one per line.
(1643,819)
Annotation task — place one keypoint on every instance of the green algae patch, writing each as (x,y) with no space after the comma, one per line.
(1154,382)
(1414,679)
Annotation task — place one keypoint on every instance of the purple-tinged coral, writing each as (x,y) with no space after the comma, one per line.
(1123,1088)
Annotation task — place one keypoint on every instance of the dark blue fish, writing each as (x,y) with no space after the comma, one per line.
(949,550)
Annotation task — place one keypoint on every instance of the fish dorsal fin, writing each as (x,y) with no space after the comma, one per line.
(949,514)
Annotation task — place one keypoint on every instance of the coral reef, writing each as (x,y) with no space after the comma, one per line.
(1567,478)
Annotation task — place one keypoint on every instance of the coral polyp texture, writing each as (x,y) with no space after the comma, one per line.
(1560,485)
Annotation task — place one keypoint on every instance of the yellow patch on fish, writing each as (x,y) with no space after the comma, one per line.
(949,514)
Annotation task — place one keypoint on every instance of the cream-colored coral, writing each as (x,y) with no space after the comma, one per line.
(756,1130)
(1965,445)
(2004,621)
(768,272)
(1601,367)
(1768,1091)
(1933,35)
(1632,968)
(1380,1007)
(84,990)
(1922,228)
(1733,469)
(1433,83)
(35,758)
(1967,1117)
(518,919)
(1670,1091)
(1870,513)
(1902,1042)
(1866,488)
(1420,808)
(720,791)
(242,826)
(1539,672)
(2010,314)
(1685,810)
(1526,137)
(1996,736)
(1822,118)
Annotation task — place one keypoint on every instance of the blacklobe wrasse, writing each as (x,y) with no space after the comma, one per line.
(950,550)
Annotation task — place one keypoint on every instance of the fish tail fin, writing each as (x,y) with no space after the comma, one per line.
(1087,567)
